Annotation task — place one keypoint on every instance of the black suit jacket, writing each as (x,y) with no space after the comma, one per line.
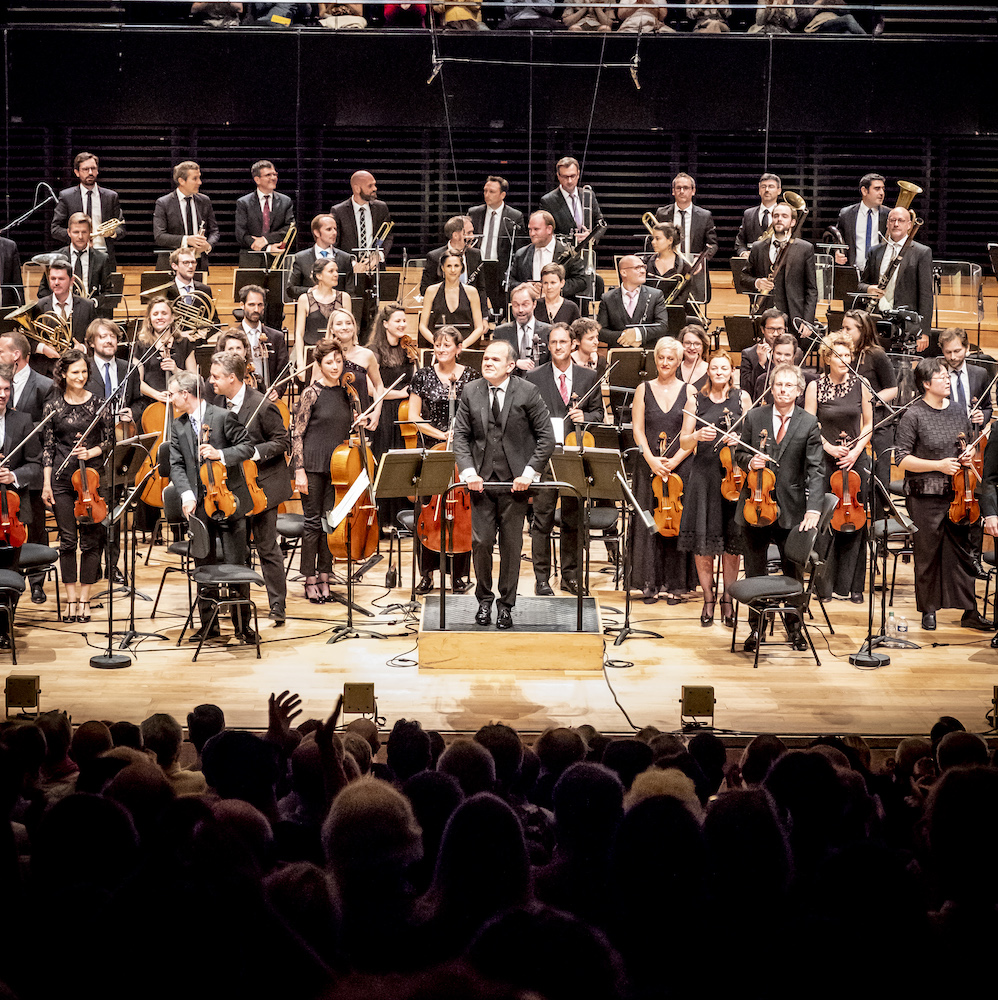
(703,236)
(527,438)
(249,218)
(979,379)
(554,202)
(277,357)
(750,369)
(800,479)
(846,224)
(271,439)
(913,287)
(795,291)
(12,292)
(987,492)
(583,379)
(510,333)
(575,277)
(99,272)
(71,201)
(27,463)
(168,224)
(508,238)
(649,308)
(347,237)
(95,384)
(300,276)
(749,231)
(33,395)
(84,314)
(432,273)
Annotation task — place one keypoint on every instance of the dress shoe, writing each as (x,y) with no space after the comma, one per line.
(117,577)
(672,600)
(248,636)
(425,584)
(797,640)
(543,589)
(649,596)
(462,585)
(504,619)
(979,571)
(4,640)
(571,587)
(38,594)
(483,616)
(974,619)
(994,641)
(856,598)
(203,634)
(929,621)
(277,614)
(751,642)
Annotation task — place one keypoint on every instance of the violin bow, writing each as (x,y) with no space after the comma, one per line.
(741,444)
(984,395)
(13,451)
(373,405)
(605,377)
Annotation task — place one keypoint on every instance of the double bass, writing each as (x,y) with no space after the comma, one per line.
(668,493)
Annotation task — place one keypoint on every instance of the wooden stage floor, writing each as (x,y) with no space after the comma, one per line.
(952,673)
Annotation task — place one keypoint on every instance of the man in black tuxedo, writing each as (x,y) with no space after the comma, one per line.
(498,225)
(795,442)
(756,220)
(755,360)
(66,306)
(263,217)
(267,348)
(271,444)
(183,263)
(794,291)
(565,203)
(502,434)
(526,335)
(910,285)
(557,381)
(324,234)
(543,249)
(100,204)
(696,231)
(11,288)
(29,390)
(632,314)
(91,266)
(863,226)
(231,445)
(179,216)
(460,233)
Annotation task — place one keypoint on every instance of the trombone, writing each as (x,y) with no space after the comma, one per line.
(650,221)
(283,249)
(377,243)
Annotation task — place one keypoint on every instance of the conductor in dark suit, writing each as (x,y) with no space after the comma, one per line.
(910,286)
(231,445)
(502,434)
(756,220)
(460,233)
(633,314)
(863,226)
(543,249)
(501,229)
(565,203)
(91,266)
(794,440)
(324,234)
(696,228)
(100,204)
(263,217)
(271,444)
(11,288)
(527,335)
(179,216)
(794,290)
(558,381)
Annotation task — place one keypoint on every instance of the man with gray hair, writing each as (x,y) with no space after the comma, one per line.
(162,735)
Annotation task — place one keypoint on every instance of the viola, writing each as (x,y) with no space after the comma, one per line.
(964,508)
(668,497)
(259,498)
(572,441)
(155,420)
(12,531)
(220,503)
(360,527)
(90,507)
(848,514)
(761,509)
(734,474)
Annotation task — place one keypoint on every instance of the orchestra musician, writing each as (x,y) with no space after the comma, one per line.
(864,225)
(527,335)
(172,353)
(696,347)
(315,307)
(708,527)
(757,359)
(263,217)
(451,303)
(11,286)
(321,424)
(228,442)
(78,312)
(910,286)
(460,233)
(98,203)
(91,266)
(664,265)
(179,216)
(695,226)
(988,498)
(232,339)
(183,263)
(300,276)
(499,225)
(756,220)
(558,381)
(585,345)
(271,445)
(927,450)
(784,351)
(268,348)
(657,564)
(632,314)
(553,307)
(794,289)
(359,360)
(794,440)
(844,407)
(543,249)
(74,407)
(564,203)
(429,401)
(502,434)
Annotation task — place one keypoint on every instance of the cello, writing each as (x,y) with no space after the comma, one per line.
(668,493)
(761,509)
(848,515)
(734,474)
(156,418)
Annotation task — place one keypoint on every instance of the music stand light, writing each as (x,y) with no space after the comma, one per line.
(358,699)
(696,703)
(22,691)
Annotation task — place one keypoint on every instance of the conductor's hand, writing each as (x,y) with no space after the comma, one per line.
(475,483)
(522,483)
(810,520)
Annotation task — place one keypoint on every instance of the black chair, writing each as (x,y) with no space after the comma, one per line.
(291,526)
(11,587)
(37,558)
(173,516)
(782,596)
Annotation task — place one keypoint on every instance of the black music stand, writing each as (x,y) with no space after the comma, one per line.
(742,333)
(634,366)
(270,279)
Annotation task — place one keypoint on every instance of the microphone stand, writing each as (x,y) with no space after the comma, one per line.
(34,208)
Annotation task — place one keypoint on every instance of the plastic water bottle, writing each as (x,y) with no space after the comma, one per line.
(902,626)
(892,629)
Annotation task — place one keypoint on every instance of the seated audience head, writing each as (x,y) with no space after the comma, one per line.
(162,735)
(126,734)
(204,722)
(506,748)
(960,749)
(628,758)
(471,764)
(558,748)
(408,749)
(758,757)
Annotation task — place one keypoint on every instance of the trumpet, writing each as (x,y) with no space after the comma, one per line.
(907,194)
(795,201)
(197,253)
(283,249)
(107,230)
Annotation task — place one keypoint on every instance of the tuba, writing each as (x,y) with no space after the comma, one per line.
(795,201)
(907,194)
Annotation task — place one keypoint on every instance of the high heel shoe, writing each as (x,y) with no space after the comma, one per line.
(69,615)
(324,587)
(728,620)
(83,615)
(707,617)
(312,591)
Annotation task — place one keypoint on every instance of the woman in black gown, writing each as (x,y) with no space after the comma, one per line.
(664,265)
(449,303)
(552,307)
(696,347)
(314,309)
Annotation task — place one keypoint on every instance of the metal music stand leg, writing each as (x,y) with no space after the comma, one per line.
(347,631)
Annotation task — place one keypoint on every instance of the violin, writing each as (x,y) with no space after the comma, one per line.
(964,508)
(572,441)
(848,515)
(356,536)
(668,497)
(456,511)
(90,507)
(220,503)
(761,509)
(734,474)
(12,531)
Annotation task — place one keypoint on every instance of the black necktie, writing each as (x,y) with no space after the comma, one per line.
(90,204)
(190,217)
(496,412)
(78,269)
(765,219)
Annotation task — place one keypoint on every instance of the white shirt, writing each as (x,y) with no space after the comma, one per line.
(182,198)
(96,218)
(543,255)
(20,380)
(891,251)
(466,474)
(861,233)
(182,286)
(776,424)
(189,496)
(960,375)
(762,210)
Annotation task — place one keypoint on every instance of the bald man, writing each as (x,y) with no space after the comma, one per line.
(632,314)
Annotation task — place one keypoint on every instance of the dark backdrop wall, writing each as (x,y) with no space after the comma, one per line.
(320,105)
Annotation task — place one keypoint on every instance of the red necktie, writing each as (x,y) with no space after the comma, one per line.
(564,389)
(783,427)
(266,213)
